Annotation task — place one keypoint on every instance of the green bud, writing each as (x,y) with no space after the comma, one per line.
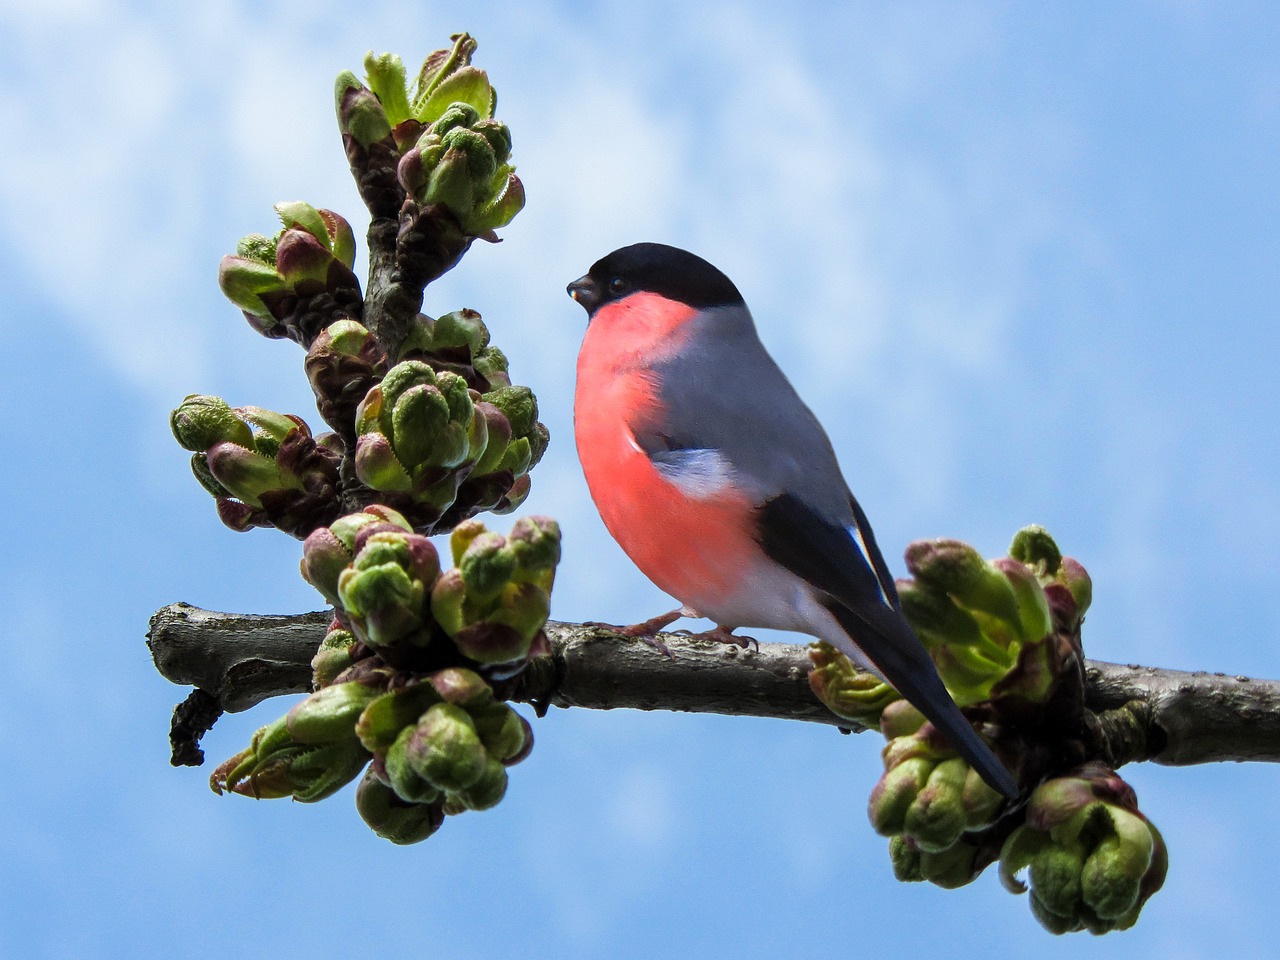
(332,231)
(1055,879)
(1053,922)
(895,792)
(481,162)
(348,337)
(518,404)
(418,422)
(200,468)
(447,598)
(935,619)
(457,116)
(463,688)
(333,657)
(1033,546)
(462,536)
(900,719)
(848,692)
(300,258)
(905,858)
(487,790)
(275,765)
(504,733)
(936,816)
(347,528)
(492,643)
(491,363)
(535,543)
(517,457)
(255,246)
(248,475)
(403,778)
(384,718)
(538,439)
(378,467)
(201,421)
(1076,579)
(387,586)
(462,328)
(360,114)
(450,184)
(324,557)
(501,208)
(1058,803)
(982,804)
(445,748)
(304,216)
(951,868)
(498,136)
(403,376)
(243,280)
(958,570)
(486,566)
(1112,876)
(392,818)
(524,607)
(1033,609)
(323,771)
(329,714)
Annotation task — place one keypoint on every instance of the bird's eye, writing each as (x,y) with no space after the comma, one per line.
(617,286)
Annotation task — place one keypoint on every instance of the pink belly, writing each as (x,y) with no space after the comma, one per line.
(699,550)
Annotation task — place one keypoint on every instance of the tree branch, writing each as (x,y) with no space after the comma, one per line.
(1135,713)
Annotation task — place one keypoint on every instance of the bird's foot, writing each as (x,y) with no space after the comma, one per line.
(722,634)
(647,631)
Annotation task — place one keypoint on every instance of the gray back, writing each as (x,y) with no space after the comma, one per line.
(725,392)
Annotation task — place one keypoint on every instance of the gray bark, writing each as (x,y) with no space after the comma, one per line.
(1135,713)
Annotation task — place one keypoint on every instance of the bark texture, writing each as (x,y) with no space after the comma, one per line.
(1136,713)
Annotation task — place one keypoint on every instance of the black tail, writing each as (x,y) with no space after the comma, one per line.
(902,659)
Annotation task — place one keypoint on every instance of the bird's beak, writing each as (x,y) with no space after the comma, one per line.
(585,291)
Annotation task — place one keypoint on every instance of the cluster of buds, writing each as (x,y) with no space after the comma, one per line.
(1091,857)
(308,754)
(263,468)
(460,161)
(931,804)
(1005,637)
(441,746)
(432,141)
(441,435)
(496,599)
(402,676)
(391,596)
(423,434)
(299,281)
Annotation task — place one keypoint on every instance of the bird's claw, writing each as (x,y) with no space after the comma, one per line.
(723,635)
(646,632)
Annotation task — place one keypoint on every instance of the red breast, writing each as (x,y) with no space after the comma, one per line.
(696,549)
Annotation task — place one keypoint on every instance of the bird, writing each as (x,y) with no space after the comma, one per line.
(723,488)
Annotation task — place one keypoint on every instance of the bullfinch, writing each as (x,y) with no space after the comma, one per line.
(721,485)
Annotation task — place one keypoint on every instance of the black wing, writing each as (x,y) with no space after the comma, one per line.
(830,558)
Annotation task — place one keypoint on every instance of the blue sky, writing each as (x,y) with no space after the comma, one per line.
(1020,261)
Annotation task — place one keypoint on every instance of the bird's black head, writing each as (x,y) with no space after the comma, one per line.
(654,268)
